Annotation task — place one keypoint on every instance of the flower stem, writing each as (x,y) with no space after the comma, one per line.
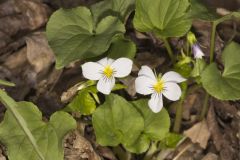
(212,43)
(212,47)
(178,118)
(169,49)
(205,106)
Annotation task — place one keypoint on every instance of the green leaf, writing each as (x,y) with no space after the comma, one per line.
(117,121)
(170,141)
(156,125)
(6,83)
(119,8)
(79,37)
(11,105)
(226,85)
(122,47)
(48,136)
(165,18)
(83,102)
(140,145)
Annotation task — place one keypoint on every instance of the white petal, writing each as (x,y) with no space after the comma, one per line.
(105,85)
(144,85)
(146,71)
(173,77)
(156,103)
(106,61)
(198,53)
(172,91)
(92,70)
(122,67)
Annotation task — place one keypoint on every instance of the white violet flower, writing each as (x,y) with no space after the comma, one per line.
(149,83)
(197,52)
(105,71)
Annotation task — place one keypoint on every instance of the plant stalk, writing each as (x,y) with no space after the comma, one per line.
(205,107)
(212,42)
(179,110)
(178,118)
(169,49)
(212,47)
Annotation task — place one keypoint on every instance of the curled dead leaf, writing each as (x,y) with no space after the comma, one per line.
(39,54)
(199,133)
(77,148)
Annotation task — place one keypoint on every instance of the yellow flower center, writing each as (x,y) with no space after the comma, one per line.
(108,71)
(158,86)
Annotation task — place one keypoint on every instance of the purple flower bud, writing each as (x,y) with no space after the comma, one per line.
(198,53)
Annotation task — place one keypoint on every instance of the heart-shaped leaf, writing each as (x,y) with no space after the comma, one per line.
(73,35)
(226,85)
(156,127)
(117,121)
(165,18)
(132,124)
(48,136)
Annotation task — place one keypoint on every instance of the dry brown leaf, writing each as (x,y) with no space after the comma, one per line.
(214,129)
(36,13)
(17,61)
(18,18)
(199,133)
(130,83)
(79,148)
(210,156)
(39,54)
